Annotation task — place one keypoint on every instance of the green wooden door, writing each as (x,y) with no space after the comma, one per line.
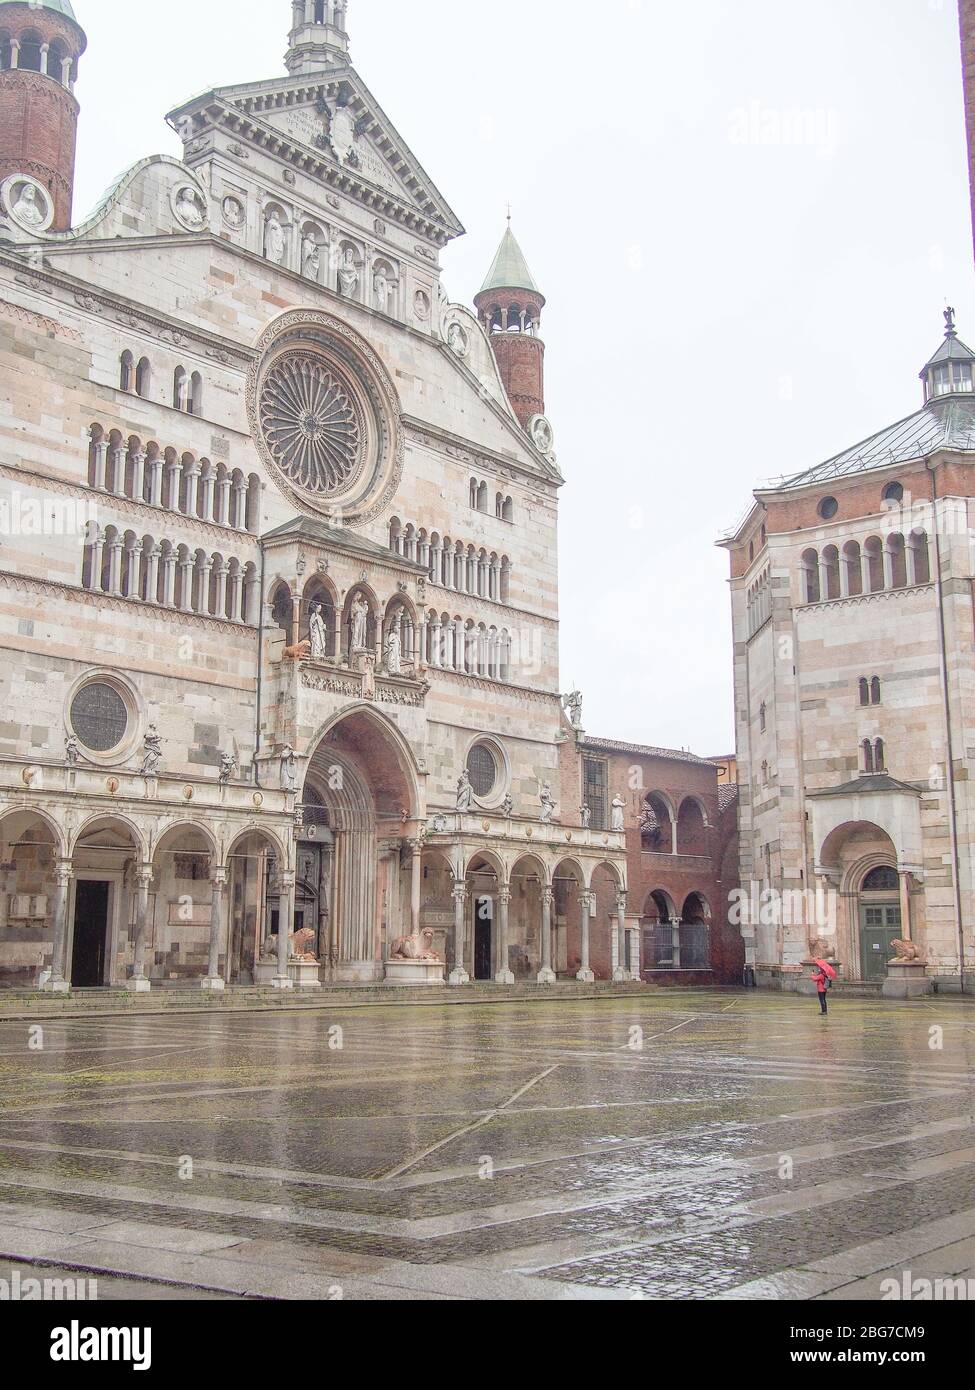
(880,927)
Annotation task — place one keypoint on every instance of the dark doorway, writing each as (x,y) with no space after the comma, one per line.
(483,925)
(880,927)
(90,935)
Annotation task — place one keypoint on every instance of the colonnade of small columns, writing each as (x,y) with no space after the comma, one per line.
(169,576)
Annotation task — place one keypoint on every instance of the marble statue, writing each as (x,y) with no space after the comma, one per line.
(228,768)
(318,634)
(457,340)
(289,769)
(417,946)
(28,208)
(152,752)
(274,239)
(572,704)
(311,260)
(301,946)
(300,653)
(189,208)
(585,817)
(72,751)
(905,953)
(394,649)
(360,622)
(619,814)
(548,804)
(507,808)
(233,211)
(465,792)
(380,286)
(348,274)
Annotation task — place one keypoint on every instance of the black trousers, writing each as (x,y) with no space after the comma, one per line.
(822,1003)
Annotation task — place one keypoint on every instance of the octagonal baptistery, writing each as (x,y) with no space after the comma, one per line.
(325,416)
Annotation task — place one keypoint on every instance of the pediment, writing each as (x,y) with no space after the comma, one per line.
(333,117)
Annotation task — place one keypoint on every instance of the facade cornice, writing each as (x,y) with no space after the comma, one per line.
(476,455)
(856,599)
(434,673)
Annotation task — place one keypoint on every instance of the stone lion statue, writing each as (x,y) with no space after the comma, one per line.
(822,948)
(302,944)
(906,953)
(418,946)
(300,653)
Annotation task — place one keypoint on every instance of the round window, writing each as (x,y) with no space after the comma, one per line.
(828,508)
(482,767)
(99,717)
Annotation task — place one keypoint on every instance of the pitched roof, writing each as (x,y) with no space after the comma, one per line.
(867,786)
(727,796)
(510,269)
(612,745)
(946,422)
(316,532)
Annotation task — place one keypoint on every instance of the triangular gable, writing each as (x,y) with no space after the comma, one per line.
(333,116)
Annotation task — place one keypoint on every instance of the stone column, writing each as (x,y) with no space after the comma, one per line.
(546,976)
(186,599)
(240,506)
(459,976)
(101,456)
(57,984)
(139,984)
(223,508)
(620,973)
(97,556)
(133,586)
(586,902)
(286,918)
(119,457)
(504,975)
(192,482)
(115,569)
(205,572)
(169,580)
(236,596)
(156,481)
(174,469)
(223,573)
(139,475)
(635,934)
(214,980)
(209,481)
(676,929)
(905,890)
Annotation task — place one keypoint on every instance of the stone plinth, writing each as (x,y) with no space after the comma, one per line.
(907,979)
(265,973)
(138,985)
(401,974)
(305,974)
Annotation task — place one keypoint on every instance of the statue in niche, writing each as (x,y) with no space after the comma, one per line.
(380,288)
(190,208)
(457,340)
(348,274)
(229,768)
(28,208)
(360,624)
(311,259)
(465,792)
(289,769)
(72,751)
(274,241)
(394,647)
(585,817)
(318,634)
(152,752)
(548,804)
(619,814)
(233,212)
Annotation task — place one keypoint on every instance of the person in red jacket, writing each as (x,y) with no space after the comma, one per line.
(821,981)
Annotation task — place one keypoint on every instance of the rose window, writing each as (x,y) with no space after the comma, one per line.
(311,424)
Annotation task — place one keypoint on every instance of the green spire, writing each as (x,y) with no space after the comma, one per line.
(510,269)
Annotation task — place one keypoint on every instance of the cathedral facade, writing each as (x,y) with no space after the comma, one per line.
(279,559)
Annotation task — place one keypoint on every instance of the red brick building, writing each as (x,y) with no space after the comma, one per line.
(682,859)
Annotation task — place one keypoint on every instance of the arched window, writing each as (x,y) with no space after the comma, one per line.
(482,497)
(864,691)
(919,558)
(181,389)
(897,560)
(831,572)
(126,372)
(810,577)
(143,377)
(508,510)
(867,749)
(875,691)
(195,402)
(6,53)
(30,52)
(879,756)
(882,880)
(55,60)
(851,564)
(474,493)
(320,12)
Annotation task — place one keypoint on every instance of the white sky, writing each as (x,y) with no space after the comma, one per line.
(724,304)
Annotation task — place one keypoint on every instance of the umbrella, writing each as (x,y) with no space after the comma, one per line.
(827,969)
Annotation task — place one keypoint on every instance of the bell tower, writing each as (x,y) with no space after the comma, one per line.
(40,44)
(509,306)
(319,38)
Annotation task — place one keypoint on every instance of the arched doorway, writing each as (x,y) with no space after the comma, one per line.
(484,887)
(661,938)
(361,781)
(252,872)
(181,904)
(108,876)
(571,919)
(529,890)
(31,880)
(881,922)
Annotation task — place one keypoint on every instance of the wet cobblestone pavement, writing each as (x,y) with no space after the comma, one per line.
(684,1146)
